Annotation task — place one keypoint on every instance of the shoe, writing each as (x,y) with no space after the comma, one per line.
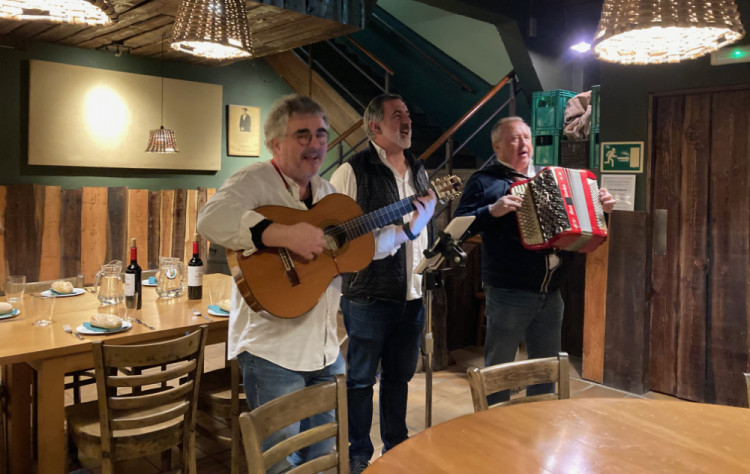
(357,465)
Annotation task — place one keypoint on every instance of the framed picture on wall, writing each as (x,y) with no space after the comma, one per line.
(243,130)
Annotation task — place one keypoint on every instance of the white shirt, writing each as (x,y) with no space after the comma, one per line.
(345,181)
(306,343)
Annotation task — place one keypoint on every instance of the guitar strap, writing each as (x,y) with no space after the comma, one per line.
(308,200)
(276,167)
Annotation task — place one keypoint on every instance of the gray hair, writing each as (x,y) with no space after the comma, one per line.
(282,109)
(496,135)
(374,111)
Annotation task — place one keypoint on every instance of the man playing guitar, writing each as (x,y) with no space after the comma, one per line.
(278,356)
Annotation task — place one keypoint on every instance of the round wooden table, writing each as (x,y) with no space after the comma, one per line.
(582,435)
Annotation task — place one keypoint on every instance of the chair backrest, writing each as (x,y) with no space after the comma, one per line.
(270,417)
(122,391)
(747,382)
(496,378)
(39,286)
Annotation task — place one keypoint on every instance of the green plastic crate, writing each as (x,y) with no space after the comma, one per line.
(548,110)
(547,149)
(595,107)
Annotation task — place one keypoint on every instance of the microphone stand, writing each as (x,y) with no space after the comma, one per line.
(446,249)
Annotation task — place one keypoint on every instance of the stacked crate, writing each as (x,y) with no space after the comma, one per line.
(594,136)
(547,118)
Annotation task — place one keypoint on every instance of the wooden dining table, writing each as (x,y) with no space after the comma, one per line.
(581,435)
(51,353)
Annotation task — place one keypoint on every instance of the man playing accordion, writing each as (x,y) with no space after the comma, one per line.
(521,286)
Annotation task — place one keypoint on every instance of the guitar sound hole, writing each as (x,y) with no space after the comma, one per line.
(335,238)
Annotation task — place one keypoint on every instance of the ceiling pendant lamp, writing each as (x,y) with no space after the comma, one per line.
(162,140)
(76,12)
(664,31)
(214,29)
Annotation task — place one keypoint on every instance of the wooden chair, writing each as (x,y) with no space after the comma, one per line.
(496,378)
(747,382)
(123,425)
(221,397)
(268,418)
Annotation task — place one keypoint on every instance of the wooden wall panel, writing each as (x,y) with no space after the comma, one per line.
(154,229)
(3,261)
(117,230)
(93,231)
(595,313)
(730,237)
(138,224)
(24,214)
(70,232)
(693,247)
(200,202)
(626,330)
(667,168)
(166,220)
(49,268)
(178,223)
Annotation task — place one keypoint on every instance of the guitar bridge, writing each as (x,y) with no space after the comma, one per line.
(289,270)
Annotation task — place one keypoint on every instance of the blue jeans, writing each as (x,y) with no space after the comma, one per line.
(265,381)
(389,333)
(514,316)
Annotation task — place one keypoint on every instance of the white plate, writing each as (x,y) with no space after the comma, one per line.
(76,292)
(215,313)
(146,283)
(125,326)
(13,313)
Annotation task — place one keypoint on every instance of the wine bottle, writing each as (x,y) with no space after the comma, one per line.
(133,292)
(195,273)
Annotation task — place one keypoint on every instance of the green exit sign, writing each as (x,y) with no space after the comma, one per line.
(621,157)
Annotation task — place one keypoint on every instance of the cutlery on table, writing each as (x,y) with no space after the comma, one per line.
(69,330)
(198,313)
(145,324)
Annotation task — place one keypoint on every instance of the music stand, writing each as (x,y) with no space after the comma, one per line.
(447,248)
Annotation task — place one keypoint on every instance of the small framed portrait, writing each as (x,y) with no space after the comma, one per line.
(243,130)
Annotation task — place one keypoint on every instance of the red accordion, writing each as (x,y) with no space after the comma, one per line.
(560,209)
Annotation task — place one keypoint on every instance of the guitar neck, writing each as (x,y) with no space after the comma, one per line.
(375,220)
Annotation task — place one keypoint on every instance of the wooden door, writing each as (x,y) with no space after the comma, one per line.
(701,284)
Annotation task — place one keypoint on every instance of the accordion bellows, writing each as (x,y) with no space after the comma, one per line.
(560,209)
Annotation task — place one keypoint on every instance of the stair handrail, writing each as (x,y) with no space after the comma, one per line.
(416,48)
(371,55)
(346,133)
(465,117)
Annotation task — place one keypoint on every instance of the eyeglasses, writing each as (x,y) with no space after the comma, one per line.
(304,137)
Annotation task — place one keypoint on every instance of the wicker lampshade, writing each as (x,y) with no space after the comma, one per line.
(215,29)
(77,12)
(664,31)
(162,141)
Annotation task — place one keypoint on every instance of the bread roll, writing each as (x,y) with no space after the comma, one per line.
(5,308)
(62,287)
(106,321)
(225,305)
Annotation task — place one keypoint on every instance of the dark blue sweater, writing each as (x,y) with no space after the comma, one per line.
(505,262)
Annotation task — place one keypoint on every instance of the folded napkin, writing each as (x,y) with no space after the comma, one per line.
(152,280)
(59,293)
(215,308)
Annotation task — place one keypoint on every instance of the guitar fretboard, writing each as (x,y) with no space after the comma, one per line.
(363,224)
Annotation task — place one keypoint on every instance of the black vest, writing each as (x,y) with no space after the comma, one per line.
(383,279)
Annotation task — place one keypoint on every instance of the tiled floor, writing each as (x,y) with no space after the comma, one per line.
(450,399)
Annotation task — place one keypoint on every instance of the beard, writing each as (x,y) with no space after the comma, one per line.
(403,142)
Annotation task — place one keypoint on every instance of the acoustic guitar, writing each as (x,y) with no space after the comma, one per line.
(286,285)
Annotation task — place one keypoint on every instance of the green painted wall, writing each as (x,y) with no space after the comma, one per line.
(473,43)
(247,83)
